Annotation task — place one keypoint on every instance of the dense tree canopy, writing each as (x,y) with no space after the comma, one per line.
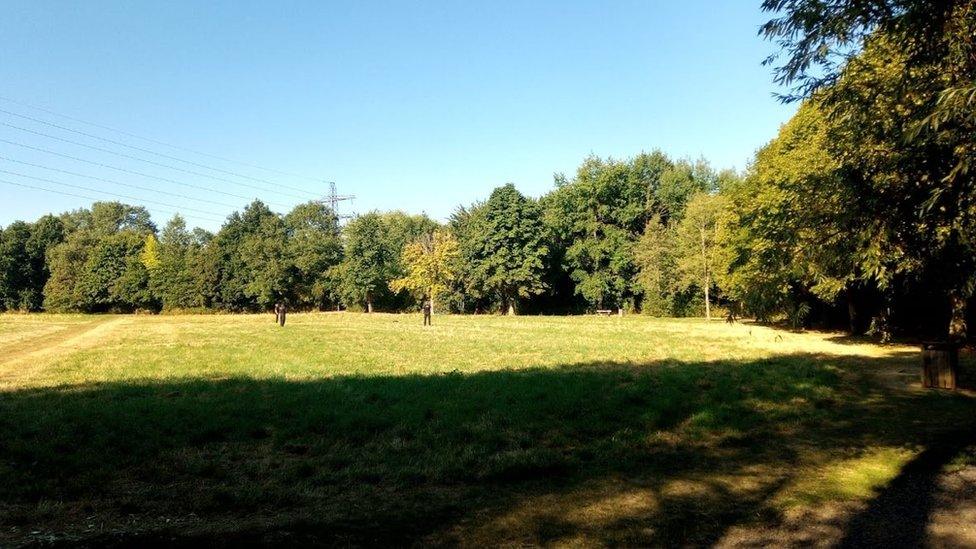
(654,257)
(597,216)
(374,243)
(506,248)
(897,81)
(314,247)
(15,266)
(97,267)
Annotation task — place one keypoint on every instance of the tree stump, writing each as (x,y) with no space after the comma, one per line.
(940,365)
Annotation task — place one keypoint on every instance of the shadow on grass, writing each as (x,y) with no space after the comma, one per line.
(899,515)
(847,338)
(661,453)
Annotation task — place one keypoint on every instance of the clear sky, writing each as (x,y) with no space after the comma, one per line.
(411,105)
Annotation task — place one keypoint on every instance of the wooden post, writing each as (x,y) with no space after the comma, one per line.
(940,365)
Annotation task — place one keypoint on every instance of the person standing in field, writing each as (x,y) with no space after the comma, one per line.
(426,307)
(280,313)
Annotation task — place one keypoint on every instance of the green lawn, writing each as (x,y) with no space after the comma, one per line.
(370,429)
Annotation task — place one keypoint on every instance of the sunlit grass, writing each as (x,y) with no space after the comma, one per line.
(323,345)
(857,478)
(18,329)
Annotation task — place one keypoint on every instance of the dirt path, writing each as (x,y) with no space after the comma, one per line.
(930,503)
(28,357)
(923,493)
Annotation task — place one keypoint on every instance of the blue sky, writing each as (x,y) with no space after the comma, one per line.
(420,106)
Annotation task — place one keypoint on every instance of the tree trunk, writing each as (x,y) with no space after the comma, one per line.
(707,277)
(852,312)
(511,306)
(708,310)
(957,319)
(432,302)
(369,305)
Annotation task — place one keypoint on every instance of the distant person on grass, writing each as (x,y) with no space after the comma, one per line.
(426,307)
(280,312)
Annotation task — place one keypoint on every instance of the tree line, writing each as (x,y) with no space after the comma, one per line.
(861,213)
(576,248)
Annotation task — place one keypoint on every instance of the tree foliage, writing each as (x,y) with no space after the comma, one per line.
(431,264)
(699,237)
(369,261)
(506,248)
(98,268)
(597,216)
(896,79)
(654,257)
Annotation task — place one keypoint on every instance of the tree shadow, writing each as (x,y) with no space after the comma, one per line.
(899,515)
(864,339)
(656,453)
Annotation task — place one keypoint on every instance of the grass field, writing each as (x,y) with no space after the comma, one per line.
(372,430)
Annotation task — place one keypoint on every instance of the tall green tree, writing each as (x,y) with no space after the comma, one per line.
(315,249)
(467,289)
(15,266)
(654,256)
(234,278)
(66,261)
(172,279)
(46,233)
(269,273)
(369,263)
(507,252)
(113,277)
(597,217)
(797,220)
(699,254)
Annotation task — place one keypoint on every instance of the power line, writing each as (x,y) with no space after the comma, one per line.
(98,199)
(133,172)
(157,142)
(82,187)
(149,151)
(114,182)
(152,162)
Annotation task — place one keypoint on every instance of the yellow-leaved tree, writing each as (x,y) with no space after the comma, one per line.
(431,265)
(150,253)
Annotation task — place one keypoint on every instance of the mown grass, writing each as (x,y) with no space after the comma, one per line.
(356,429)
(20,330)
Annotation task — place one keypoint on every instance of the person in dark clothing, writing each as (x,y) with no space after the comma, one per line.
(280,313)
(426,307)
